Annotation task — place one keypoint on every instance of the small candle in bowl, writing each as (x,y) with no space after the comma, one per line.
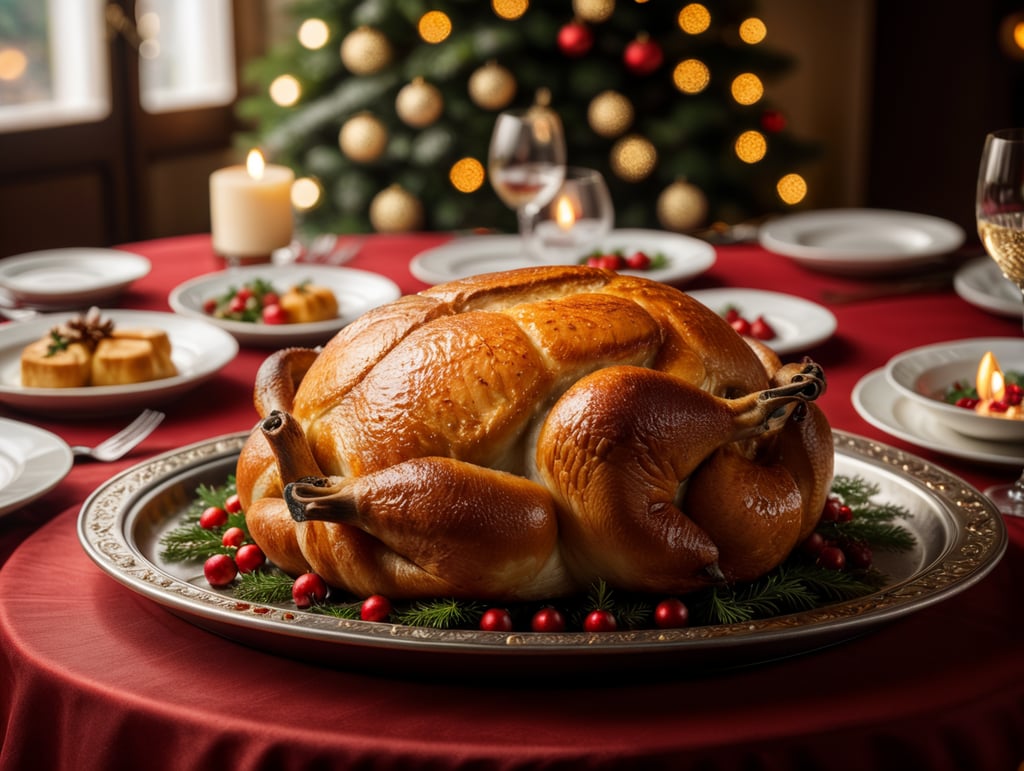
(579,215)
(996,397)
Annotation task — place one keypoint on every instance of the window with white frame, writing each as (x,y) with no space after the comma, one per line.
(54,67)
(186,56)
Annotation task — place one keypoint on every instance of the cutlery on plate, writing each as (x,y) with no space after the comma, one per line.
(119,444)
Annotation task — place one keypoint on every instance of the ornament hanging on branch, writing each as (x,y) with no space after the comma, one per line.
(419,103)
(365,50)
(575,39)
(594,11)
(643,55)
(395,210)
(492,87)
(681,207)
(610,114)
(633,158)
(773,121)
(363,138)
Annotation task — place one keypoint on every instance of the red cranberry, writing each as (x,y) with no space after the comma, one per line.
(249,558)
(832,558)
(496,620)
(233,536)
(376,607)
(307,589)
(600,621)
(212,517)
(671,614)
(220,570)
(548,620)
(233,504)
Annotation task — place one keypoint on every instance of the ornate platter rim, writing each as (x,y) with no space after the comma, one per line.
(972,539)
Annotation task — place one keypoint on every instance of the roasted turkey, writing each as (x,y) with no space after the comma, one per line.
(520,435)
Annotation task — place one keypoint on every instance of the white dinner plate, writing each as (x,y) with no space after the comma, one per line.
(981,283)
(32,462)
(926,373)
(799,324)
(860,242)
(882,406)
(686,256)
(61,279)
(357,291)
(199,350)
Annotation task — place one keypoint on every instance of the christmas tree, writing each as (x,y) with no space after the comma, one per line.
(384,108)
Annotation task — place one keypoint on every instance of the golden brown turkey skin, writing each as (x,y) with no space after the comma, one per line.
(519,435)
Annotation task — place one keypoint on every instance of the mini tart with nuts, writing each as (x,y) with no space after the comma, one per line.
(89,351)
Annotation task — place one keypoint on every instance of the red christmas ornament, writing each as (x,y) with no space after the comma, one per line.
(773,121)
(643,56)
(575,39)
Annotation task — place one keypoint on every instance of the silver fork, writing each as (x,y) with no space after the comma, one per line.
(124,440)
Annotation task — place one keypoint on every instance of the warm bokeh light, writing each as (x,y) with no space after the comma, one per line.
(593,11)
(510,9)
(792,189)
(285,90)
(633,158)
(13,63)
(691,76)
(753,30)
(747,88)
(694,19)
(306,193)
(466,175)
(314,34)
(254,164)
(751,146)
(434,27)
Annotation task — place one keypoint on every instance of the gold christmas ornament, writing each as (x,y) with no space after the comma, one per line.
(395,210)
(681,207)
(365,51)
(419,103)
(492,87)
(633,158)
(363,138)
(594,11)
(610,114)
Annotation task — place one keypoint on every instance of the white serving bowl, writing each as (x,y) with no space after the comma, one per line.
(924,374)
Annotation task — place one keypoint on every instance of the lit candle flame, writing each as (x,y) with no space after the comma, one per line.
(990,382)
(565,216)
(255,164)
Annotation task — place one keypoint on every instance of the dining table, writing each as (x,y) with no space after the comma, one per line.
(94,675)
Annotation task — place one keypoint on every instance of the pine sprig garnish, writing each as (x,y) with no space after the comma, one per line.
(213,495)
(264,586)
(881,536)
(441,614)
(337,610)
(190,542)
(855,491)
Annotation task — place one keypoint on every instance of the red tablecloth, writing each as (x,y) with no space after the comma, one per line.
(94,676)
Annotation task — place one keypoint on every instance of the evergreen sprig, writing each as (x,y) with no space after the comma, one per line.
(447,613)
(264,586)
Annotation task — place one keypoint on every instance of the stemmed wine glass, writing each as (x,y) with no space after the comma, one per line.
(526,160)
(999,209)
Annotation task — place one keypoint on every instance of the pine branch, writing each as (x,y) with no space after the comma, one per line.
(264,586)
(441,614)
(190,543)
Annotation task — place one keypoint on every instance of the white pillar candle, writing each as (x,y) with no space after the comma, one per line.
(251,209)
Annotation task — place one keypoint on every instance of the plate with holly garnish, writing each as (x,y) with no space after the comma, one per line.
(784,323)
(897,534)
(658,255)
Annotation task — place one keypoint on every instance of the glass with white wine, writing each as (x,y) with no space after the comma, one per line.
(999,209)
(526,160)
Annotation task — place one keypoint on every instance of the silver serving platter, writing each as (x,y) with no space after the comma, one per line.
(960,537)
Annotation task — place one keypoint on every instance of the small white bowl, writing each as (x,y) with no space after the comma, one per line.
(925,374)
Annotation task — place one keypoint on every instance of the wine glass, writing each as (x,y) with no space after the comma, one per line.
(526,160)
(999,209)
